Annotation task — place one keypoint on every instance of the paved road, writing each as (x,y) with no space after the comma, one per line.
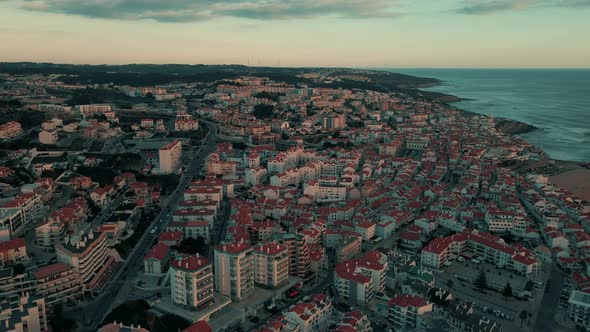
(546,314)
(120,286)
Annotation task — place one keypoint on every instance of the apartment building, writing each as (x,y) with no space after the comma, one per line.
(271,265)
(191,282)
(334,121)
(579,308)
(406,311)
(50,233)
(298,252)
(88,256)
(170,155)
(13,252)
(482,245)
(234,270)
(93,108)
(312,315)
(59,283)
(28,315)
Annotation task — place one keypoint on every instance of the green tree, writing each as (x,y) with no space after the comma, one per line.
(507,292)
(482,281)
(192,246)
(523,315)
(450,283)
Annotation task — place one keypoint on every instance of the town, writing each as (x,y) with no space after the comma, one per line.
(315,202)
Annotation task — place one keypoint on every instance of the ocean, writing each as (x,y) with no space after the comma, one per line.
(555,101)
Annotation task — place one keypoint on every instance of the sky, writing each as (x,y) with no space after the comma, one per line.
(353,33)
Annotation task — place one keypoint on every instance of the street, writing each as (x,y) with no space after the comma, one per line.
(120,285)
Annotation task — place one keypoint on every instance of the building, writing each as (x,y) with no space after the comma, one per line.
(334,121)
(405,311)
(298,252)
(120,327)
(234,270)
(89,257)
(271,265)
(310,316)
(191,282)
(93,108)
(28,315)
(156,259)
(170,157)
(13,252)
(48,137)
(357,281)
(10,129)
(185,122)
(59,283)
(579,308)
(484,246)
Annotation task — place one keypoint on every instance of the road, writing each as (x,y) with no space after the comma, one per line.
(119,287)
(549,305)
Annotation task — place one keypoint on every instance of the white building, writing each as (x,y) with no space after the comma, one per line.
(191,282)
(579,308)
(234,270)
(271,265)
(170,157)
(29,315)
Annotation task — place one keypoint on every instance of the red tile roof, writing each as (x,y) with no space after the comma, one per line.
(159,251)
(48,270)
(12,244)
(200,326)
(233,248)
(190,263)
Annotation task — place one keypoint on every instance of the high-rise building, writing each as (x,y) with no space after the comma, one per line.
(298,252)
(271,265)
(88,256)
(334,121)
(170,156)
(234,271)
(191,281)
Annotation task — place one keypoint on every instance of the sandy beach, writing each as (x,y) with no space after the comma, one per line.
(576,180)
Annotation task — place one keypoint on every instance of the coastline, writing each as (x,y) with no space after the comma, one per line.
(571,175)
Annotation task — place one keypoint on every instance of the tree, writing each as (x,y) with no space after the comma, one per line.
(192,246)
(523,315)
(482,281)
(450,283)
(263,111)
(529,286)
(507,292)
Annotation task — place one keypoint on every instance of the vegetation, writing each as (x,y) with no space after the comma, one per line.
(138,312)
(192,246)
(507,291)
(270,96)
(103,175)
(482,281)
(523,315)
(59,323)
(124,248)
(263,111)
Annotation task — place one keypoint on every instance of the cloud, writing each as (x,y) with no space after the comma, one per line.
(200,10)
(482,7)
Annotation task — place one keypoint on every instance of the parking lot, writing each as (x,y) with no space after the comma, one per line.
(490,303)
